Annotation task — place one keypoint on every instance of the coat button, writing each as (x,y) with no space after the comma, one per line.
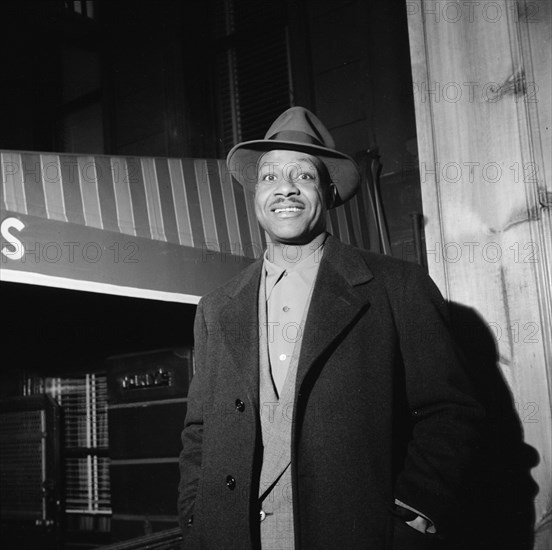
(240,405)
(230,482)
(262,515)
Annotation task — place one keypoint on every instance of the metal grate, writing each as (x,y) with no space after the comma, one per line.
(84,402)
(87,485)
(22,464)
(85,439)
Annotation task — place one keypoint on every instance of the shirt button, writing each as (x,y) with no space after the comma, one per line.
(283,357)
(240,405)
(230,482)
(285,308)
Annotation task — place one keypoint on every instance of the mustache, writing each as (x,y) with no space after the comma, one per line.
(287,201)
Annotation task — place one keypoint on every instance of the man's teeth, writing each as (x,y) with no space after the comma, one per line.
(287,209)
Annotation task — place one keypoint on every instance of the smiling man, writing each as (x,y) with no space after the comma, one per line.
(329,406)
(291,197)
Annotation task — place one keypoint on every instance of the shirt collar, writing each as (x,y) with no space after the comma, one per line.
(274,272)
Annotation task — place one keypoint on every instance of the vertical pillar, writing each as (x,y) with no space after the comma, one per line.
(482,87)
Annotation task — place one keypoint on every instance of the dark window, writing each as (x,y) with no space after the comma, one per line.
(253,67)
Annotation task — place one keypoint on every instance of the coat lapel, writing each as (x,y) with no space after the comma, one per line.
(338,298)
(240,329)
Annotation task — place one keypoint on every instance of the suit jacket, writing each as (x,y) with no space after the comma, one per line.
(383,410)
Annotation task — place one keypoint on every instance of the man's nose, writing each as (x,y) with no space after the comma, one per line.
(286,186)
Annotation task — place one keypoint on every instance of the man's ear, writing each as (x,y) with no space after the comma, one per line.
(331,195)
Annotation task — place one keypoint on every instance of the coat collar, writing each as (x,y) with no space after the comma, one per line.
(336,302)
(347,261)
(240,328)
(338,299)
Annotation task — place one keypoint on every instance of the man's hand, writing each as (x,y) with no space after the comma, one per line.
(421,524)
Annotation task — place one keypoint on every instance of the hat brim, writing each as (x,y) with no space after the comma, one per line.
(243,159)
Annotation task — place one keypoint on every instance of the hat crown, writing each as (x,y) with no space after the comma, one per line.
(300,125)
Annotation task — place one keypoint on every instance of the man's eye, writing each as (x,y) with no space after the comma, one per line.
(305,176)
(268,177)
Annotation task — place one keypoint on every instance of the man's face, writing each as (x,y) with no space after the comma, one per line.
(290,198)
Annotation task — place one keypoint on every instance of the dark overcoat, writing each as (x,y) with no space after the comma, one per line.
(383,410)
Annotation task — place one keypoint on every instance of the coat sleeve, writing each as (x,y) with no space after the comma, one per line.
(192,434)
(446,418)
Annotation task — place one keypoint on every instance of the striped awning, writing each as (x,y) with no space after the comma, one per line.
(162,228)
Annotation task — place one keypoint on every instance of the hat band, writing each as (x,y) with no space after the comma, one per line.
(293,135)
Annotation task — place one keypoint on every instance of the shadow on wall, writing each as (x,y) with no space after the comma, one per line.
(501,497)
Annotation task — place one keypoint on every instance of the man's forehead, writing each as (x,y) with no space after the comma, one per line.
(279,157)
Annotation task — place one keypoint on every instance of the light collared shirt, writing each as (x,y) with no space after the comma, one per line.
(288,291)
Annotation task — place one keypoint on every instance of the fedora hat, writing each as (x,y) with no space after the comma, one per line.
(296,129)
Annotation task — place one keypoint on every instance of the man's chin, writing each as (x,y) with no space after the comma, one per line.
(293,239)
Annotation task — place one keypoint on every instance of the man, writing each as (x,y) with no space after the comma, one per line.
(329,408)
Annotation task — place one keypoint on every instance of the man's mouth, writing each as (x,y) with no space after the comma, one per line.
(287,209)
